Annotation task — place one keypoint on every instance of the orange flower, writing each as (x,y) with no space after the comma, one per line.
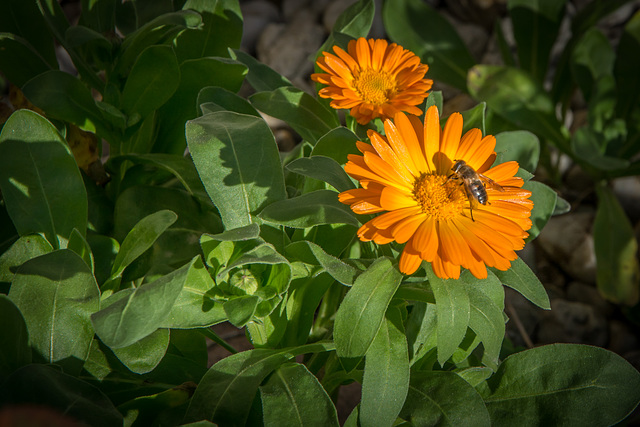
(409,175)
(374,79)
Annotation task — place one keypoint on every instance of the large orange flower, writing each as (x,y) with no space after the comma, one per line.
(409,175)
(373,79)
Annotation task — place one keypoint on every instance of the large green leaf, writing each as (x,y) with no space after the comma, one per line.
(19,61)
(356,20)
(195,74)
(21,251)
(386,373)
(624,71)
(618,273)
(440,398)
(153,80)
(562,384)
(23,19)
(310,253)
(14,338)
(132,314)
(57,294)
(225,393)
(261,77)
(294,394)
(237,159)
(416,26)
(362,311)
(544,200)
(40,181)
(513,94)
(315,208)
(592,59)
(45,386)
(305,114)
(337,144)
(99,15)
(535,28)
(144,355)
(521,146)
(323,168)
(453,311)
(522,279)
(211,99)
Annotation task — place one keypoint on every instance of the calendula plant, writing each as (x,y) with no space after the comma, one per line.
(375,252)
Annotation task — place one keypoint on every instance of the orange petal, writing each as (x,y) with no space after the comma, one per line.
(409,260)
(431,135)
(450,142)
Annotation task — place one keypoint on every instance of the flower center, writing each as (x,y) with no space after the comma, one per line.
(375,86)
(437,197)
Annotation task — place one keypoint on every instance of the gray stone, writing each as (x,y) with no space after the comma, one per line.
(333,11)
(256,15)
(573,322)
(587,294)
(474,36)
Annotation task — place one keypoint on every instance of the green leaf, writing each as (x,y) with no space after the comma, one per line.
(356,20)
(624,72)
(132,314)
(56,294)
(362,310)
(323,168)
(22,250)
(520,278)
(535,28)
(618,273)
(453,311)
(513,94)
(420,28)
(521,146)
(19,61)
(14,338)
(562,384)
(337,144)
(238,162)
(592,59)
(195,74)
(261,77)
(65,97)
(47,386)
(98,15)
(386,373)
(24,20)
(309,209)
(221,99)
(310,253)
(140,238)
(153,80)
(474,118)
(144,355)
(221,30)
(544,202)
(444,399)
(79,245)
(590,147)
(292,393)
(225,393)
(40,181)
(305,114)
(240,310)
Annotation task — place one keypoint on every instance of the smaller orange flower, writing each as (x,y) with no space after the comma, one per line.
(373,79)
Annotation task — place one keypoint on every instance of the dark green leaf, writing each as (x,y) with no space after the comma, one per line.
(140,238)
(362,311)
(79,245)
(356,20)
(592,59)
(624,70)
(152,81)
(56,294)
(293,394)
(324,169)
(562,384)
(218,98)
(14,338)
(23,19)
(144,355)
(588,146)
(535,28)
(440,398)
(522,279)
(315,208)
(618,273)
(513,94)
(40,181)
(337,144)
(474,118)
(544,203)
(240,310)
(310,253)
(195,74)
(237,159)
(225,393)
(418,27)
(22,250)
(453,311)
(99,15)
(386,373)
(305,114)
(48,387)
(260,76)
(521,146)
(19,61)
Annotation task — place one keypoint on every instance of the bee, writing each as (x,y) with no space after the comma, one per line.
(474,183)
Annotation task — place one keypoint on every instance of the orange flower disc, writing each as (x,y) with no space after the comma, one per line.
(373,79)
(407,175)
